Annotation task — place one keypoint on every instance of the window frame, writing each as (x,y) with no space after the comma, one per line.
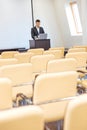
(71,6)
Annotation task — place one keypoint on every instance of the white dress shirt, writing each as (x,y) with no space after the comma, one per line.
(38,30)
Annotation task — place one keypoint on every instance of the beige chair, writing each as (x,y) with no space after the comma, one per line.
(59,48)
(56,53)
(39,63)
(72,50)
(8,54)
(80,47)
(5,94)
(23,57)
(38,51)
(68,64)
(10,61)
(75,117)
(52,92)
(21,77)
(63,65)
(23,118)
(81,58)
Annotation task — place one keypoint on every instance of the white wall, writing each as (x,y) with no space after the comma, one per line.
(15,23)
(83,4)
(45,11)
(69,40)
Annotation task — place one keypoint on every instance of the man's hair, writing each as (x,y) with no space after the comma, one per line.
(37,20)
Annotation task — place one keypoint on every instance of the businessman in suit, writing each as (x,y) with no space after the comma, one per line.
(35,31)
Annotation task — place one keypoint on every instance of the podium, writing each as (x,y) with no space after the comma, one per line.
(41,43)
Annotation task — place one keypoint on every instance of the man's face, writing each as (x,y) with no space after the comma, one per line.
(38,24)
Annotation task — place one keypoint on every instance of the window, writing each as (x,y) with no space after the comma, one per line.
(74,19)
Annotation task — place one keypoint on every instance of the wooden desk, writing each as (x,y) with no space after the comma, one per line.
(40,44)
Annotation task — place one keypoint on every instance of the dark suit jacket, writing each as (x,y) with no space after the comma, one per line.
(34,32)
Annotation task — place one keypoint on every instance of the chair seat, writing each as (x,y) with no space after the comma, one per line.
(54,111)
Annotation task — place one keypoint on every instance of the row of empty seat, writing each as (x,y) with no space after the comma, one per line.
(25,73)
(51,92)
(10,54)
(81,58)
(51,107)
(43,60)
(58,52)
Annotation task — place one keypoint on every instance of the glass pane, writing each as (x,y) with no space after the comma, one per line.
(76,16)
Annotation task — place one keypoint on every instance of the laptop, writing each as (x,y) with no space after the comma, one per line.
(42,36)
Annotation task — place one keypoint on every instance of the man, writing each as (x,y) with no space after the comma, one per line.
(35,31)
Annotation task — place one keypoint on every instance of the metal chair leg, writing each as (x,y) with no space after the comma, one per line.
(60,125)
(46,127)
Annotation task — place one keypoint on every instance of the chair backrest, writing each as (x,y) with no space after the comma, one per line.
(80,47)
(38,51)
(56,53)
(75,117)
(23,57)
(23,118)
(8,54)
(68,64)
(81,58)
(72,50)
(10,61)
(19,74)
(54,86)
(59,48)
(39,63)
(5,94)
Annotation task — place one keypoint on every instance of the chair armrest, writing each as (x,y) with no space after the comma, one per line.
(23,84)
(82,71)
(56,100)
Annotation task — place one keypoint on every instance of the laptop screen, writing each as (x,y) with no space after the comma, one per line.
(42,36)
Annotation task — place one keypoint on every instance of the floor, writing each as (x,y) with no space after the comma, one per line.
(52,126)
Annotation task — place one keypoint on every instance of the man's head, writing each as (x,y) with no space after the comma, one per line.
(38,23)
